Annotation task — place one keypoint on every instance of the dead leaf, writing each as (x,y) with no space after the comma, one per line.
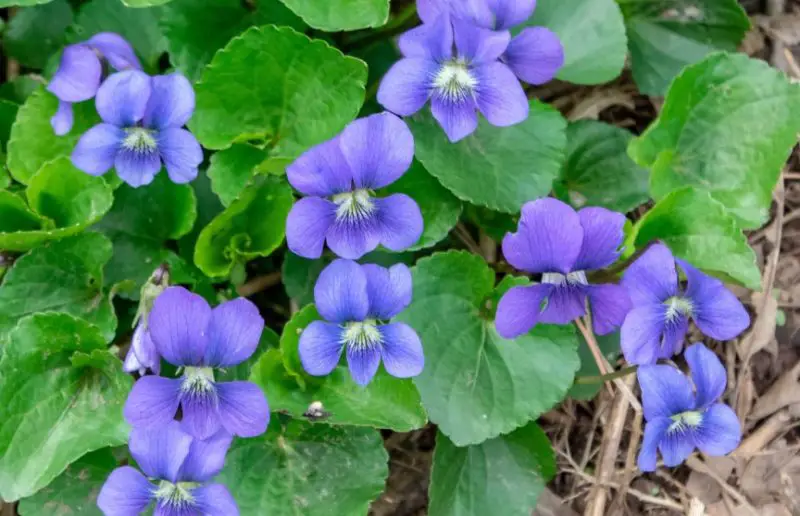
(763,330)
(784,392)
(764,478)
(598,101)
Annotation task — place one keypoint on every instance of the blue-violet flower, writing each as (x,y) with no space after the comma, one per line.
(339,178)
(142,125)
(535,54)
(657,325)
(80,71)
(680,418)
(179,469)
(142,355)
(456,65)
(562,245)
(193,337)
(356,301)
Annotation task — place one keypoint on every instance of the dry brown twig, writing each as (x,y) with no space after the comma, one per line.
(646,498)
(258,284)
(608,453)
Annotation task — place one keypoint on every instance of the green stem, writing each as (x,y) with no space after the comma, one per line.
(396,25)
(625,371)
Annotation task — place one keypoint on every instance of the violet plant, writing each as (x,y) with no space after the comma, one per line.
(322,239)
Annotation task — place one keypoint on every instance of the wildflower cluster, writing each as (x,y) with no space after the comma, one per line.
(181,455)
(142,116)
(464,60)
(650,307)
(339,178)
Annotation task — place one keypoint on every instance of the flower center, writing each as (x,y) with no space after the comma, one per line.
(354,206)
(684,420)
(454,81)
(198,380)
(677,306)
(175,495)
(571,279)
(361,335)
(139,139)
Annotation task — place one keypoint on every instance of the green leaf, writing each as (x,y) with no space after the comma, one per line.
(477,385)
(504,475)
(140,223)
(8,113)
(22,3)
(36,33)
(341,15)
(75,491)
(598,170)
(138,26)
(144,3)
(493,223)
(592,33)
(196,30)
(698,138)
(497,167)
(232,168)
(440,209)
(300,275)
(62,276)
(313,470)
(665,36)
(33,142)
(18,89)
(610,347)
(5,179)
(699,230)
(387,402)
(208,207)
(54,411)
(236,103)
(253,225)
(63,199)
(16,217)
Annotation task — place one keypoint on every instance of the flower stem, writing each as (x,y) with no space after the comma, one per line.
(602,364)
(625,371)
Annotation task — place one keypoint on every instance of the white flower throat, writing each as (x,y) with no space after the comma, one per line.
(678,306)
(139,139)
(361,334)
(175,495)
(198,379)
(454,80)
(685,420)
(573,278)
(354,206)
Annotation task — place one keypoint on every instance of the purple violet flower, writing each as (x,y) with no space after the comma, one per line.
(680,418)
(142,125)
(356,301)
(142,354)
(179,469)
(535,55)
(562,245)
(454,64)
(657,325)
(192,336)
(81,70)
(339,178)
